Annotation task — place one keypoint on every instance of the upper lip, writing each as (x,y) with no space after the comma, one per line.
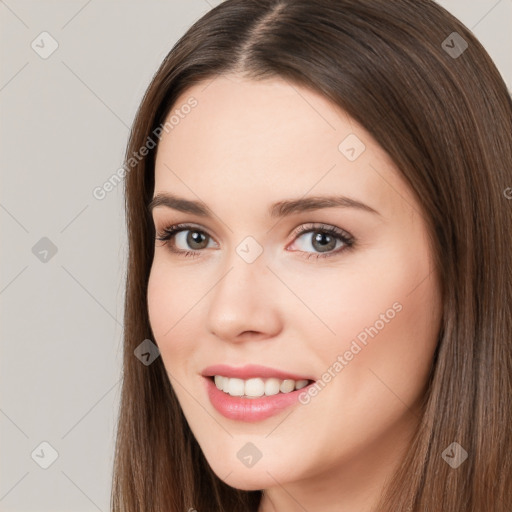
(251,371)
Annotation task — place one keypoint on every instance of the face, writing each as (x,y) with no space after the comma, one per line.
(340,294)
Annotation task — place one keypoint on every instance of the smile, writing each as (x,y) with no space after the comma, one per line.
(242,407)
(257,387)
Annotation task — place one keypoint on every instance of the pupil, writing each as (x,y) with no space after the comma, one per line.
(321,238)
(195,237)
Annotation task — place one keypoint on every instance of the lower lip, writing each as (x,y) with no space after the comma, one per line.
(250,409)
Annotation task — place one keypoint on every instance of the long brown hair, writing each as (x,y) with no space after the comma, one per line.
(436,103)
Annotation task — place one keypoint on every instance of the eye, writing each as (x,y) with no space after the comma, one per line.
(177,234)
(322,238)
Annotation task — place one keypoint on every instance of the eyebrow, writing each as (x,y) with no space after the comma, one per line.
(276,210)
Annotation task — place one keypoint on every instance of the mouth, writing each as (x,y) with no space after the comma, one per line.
(257,387)
(253,392)
(255,398)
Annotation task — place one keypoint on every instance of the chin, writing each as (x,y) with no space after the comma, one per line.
(248,482)
(248,479)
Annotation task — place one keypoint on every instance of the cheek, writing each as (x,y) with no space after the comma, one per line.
(403,356)
(388,334)
(158,298)
(169,301)
(383,298)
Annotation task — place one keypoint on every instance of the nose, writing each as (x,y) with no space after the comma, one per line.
(243,303)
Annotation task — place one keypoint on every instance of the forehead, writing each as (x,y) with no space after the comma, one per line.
(268,139)
(255,122)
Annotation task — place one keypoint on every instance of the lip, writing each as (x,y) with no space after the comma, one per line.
(251,371)
(250,409)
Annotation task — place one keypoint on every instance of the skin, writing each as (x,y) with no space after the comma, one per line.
(245,145)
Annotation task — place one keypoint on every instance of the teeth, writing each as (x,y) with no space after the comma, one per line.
(272,387)
(287,386)
(256,387)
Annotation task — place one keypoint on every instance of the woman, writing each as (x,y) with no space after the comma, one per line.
(319,229)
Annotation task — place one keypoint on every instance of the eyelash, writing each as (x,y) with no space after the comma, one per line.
(168,232)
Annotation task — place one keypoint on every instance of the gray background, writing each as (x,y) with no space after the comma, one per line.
(64,125)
